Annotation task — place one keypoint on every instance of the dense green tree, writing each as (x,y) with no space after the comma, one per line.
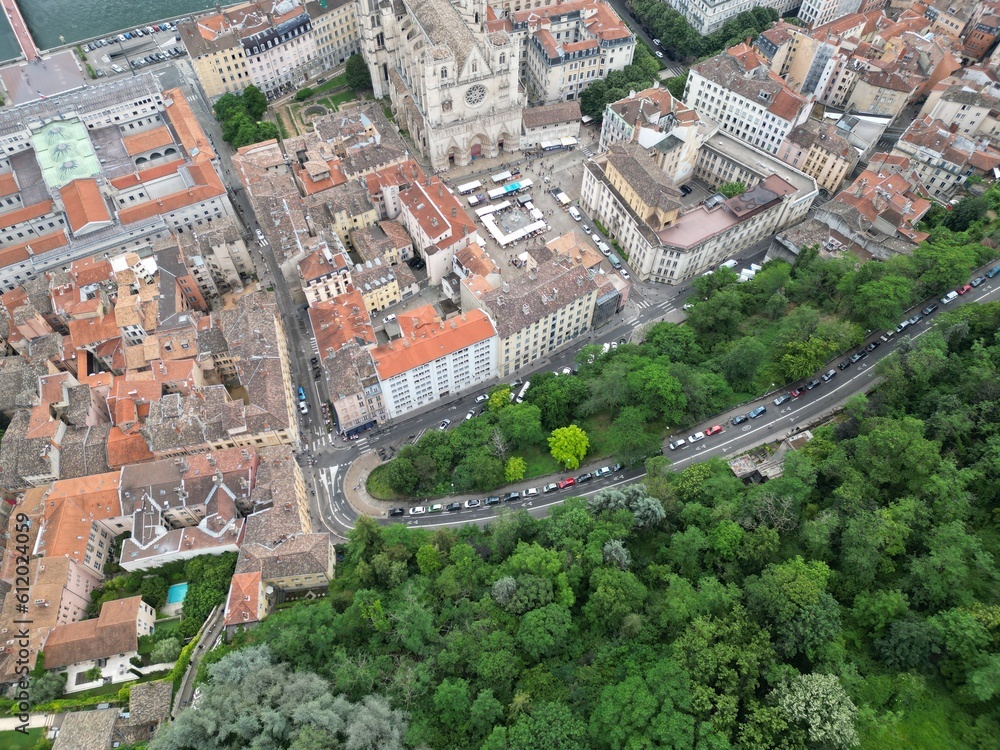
(545,631)
(254,101)
(629,439)
(819,703)
(521,424)
(568,445)
(741,363)
(358,76)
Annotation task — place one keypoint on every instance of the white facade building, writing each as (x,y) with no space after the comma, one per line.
(707,16)
(433,358)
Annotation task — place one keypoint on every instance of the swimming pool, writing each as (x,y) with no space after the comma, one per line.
(175,594)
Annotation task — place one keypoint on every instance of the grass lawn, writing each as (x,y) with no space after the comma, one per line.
(539,462)
(377,486)
(929,724)
(343,96)
(334,83)
(17,741)
(596,428)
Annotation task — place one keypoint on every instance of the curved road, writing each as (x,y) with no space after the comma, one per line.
(777,423)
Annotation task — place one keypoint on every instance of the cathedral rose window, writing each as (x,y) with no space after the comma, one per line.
(475,95)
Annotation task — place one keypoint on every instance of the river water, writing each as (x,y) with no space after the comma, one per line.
(83,19)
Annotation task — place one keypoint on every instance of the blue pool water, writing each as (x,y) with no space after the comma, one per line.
(175,594)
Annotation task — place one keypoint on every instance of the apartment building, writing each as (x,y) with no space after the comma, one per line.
(876,216)
(436,220)
(821,151)
(433,357)
(343,330)
(273,44)
(708,16)
(550,123)
(971,106)
(818,12)
(944,159)
(325,272)
(564,47)
(669,241)
(737,90)
(647,116)
(142,168)
(551,302)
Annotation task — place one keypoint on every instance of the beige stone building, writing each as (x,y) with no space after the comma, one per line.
(668,241)
(822,152)
(324,274)
(453,81)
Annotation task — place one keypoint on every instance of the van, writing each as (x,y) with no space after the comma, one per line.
(728,264)
(615,262)
(604,247)
(575,213)
(948,297)
(524,390)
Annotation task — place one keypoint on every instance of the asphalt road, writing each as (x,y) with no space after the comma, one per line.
(776,423)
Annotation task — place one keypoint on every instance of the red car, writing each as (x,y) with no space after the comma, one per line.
(798,392)
(567,482)
(964,289)
(714,430)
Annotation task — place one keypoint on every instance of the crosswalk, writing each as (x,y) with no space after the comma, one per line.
(329,439)
(665,306)
(586,152)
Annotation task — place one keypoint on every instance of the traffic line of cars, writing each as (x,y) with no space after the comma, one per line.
(695,438)
(510,497)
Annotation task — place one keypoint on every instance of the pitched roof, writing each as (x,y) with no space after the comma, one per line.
(551,114)
(425,337)
(243,602)
(72,505)
(114,631)
(86,730)
(147,140)
(85,206)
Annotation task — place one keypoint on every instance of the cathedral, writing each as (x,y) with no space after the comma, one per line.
(453,82)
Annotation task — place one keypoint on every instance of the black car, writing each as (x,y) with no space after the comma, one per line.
(873,346)
(812,384)
(977,281)
(754,413)
(738,419)
(929,309)
(511,497)
(845,364)
(686,190)
(314,360)
(494,500)
(397,511)
(317,373)
(452,507)
(616,467)
(584,478)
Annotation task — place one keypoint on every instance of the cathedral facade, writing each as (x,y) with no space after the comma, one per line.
(452,82)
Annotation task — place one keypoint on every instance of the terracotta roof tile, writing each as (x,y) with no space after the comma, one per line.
(147,175)
(192,137)
(140,143)
(425,337)
(26,213)
(8,184)
(85,206)
(244,599)
(114,631)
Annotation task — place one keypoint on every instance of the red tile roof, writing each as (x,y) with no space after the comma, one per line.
(425,338)
(85,206)
(26,213)
(147,175)
(140,143)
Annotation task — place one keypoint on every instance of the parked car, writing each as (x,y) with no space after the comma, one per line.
(798,392)
(857,357)
(482,397)
(782,399)
(472,503)
(915,319)
(964,289)
(887,335)
(873,346)
(754,413)
(452,507)
(550,488)
(829,375)
(444,424)
(418,511)
(616,467)
(738,419)
(492,500)
(698,436)
(511,497)
(812,384)
(977,281)
(949,297)
(584,478)
(436,508)
(530,492)
(567,482)
(397,511)
(929,309)
(715,429)
(678,443)
(993,272)
(602,472)
(470,414)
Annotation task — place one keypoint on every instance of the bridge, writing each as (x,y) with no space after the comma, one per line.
(28,48)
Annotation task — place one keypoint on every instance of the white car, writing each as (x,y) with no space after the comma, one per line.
(388,319)
(470,414)
(624,273)
(482,397)
(303,407)
(472,503)
(444,424)
(696,437)
(658,54)
(567,371)
(530,492)
(678,443)
(418,511)
(595,238)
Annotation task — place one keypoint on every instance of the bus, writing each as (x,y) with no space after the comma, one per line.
(469,187)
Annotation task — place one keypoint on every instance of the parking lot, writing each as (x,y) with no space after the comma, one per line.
(133,50)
